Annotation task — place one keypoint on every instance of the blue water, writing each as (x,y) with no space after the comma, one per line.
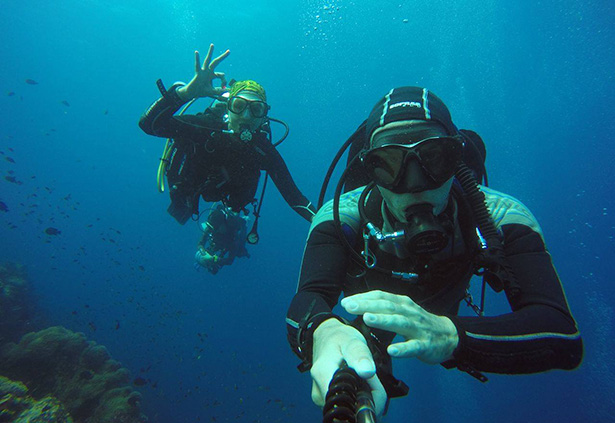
(535,79)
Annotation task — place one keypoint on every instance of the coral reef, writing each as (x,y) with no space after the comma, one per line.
(14,302)
(18,407)
(81,374)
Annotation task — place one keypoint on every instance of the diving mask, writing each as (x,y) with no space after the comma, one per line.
(438,158)
(257,108)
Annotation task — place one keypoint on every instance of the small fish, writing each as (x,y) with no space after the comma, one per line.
(31,82)
(66,103)
(106,112)
(52,231)
(10,179)
(139,381)
(3,206)
(9,159)
(74,312)
(141,268)
(11,93)
(117,324)
(92,326)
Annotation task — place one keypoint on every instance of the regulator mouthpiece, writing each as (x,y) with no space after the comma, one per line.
(424,234)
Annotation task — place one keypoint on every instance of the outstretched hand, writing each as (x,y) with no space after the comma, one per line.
(201,84)
(428,337)
(335,342)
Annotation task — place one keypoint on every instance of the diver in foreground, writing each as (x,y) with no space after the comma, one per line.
(402,250)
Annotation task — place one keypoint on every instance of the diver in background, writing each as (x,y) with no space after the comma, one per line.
(219,156)
(224,238)
(403,249)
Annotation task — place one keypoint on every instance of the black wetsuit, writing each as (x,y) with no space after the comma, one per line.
(216,165)
(538,334)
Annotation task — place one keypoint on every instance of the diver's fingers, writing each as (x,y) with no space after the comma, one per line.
(358,356)
(222,88)
(317,396)
(378,301)
(222,77)
(408,349)
(322,372)
(360,306)
(379,394)
(197,61)
(402,324)
(218,59)
(208,57)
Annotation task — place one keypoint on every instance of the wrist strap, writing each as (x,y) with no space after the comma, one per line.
(171,94)
(305,337)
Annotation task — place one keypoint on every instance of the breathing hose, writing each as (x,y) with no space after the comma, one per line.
(498,273)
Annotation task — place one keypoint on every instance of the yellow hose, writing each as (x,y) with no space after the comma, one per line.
(162,167)
(164,160)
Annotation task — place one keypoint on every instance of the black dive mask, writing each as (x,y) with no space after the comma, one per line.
(423,232)
(258,108)
(438,158)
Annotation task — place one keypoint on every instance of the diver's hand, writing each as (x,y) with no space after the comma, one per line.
(428,337)
(334,342)
(204,258)
(202,83)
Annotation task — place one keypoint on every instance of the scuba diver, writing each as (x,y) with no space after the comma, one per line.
(224,238)
(219,154)
(402,250)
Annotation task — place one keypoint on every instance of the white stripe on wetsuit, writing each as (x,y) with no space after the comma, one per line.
(528,337)
(426,104)
(385,106)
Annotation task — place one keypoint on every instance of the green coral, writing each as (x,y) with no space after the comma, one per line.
(10,387)
(80,373)
(18,407)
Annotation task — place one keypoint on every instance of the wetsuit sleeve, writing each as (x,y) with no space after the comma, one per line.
(321,279)
(159,119)
(540,332)
(204,237)
(276,167)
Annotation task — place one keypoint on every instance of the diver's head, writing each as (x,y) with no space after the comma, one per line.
(414,151)
(247,106)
